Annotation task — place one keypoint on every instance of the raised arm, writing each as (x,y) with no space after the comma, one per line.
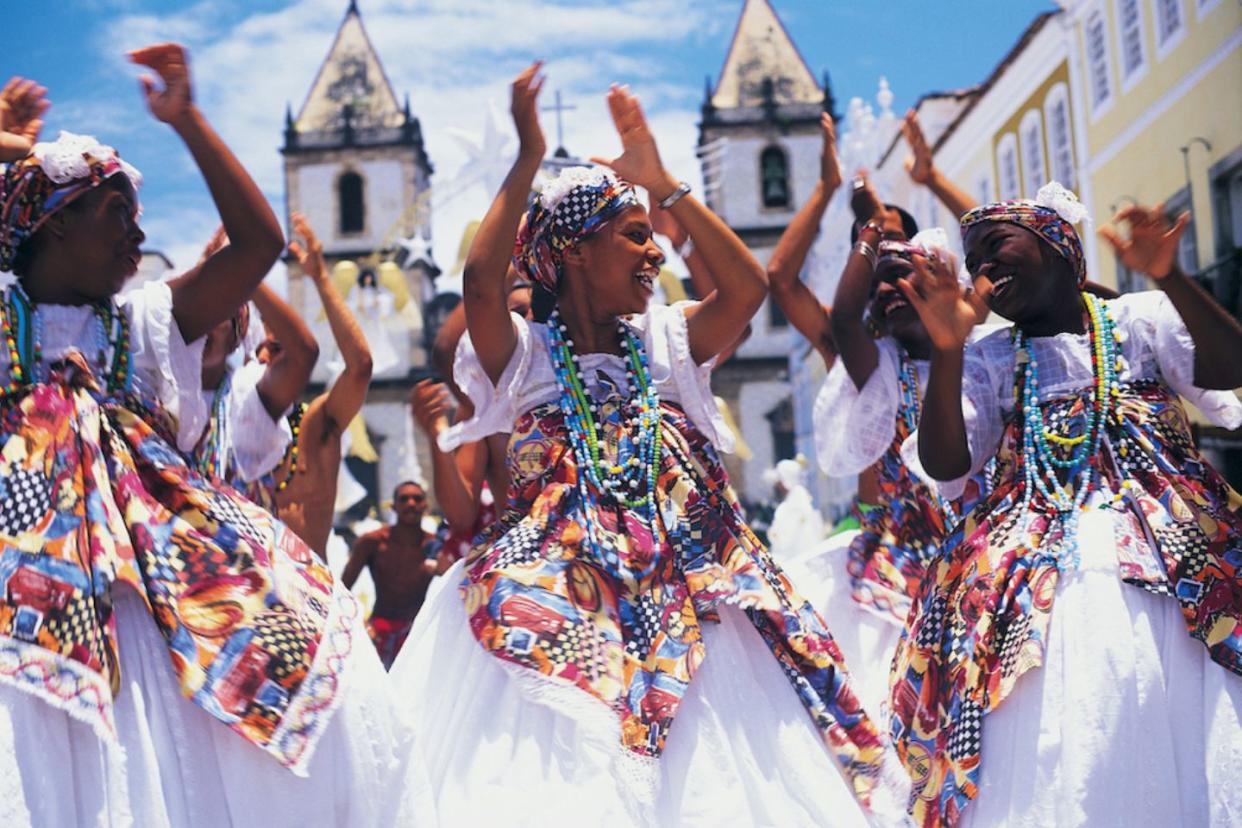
(22,105)
(717,321)
(854,342)
(484,291)
(949,317)
(211,292)
(1151,248)
(289,367)
(457,476)
(795,299)
(349,391)
(923,171)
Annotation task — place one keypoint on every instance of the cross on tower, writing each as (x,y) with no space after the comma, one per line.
(559,108)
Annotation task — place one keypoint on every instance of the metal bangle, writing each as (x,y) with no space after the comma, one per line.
(866,251)
(683,189)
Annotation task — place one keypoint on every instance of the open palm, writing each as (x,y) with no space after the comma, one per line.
(169,61)
(639,161)
(21,117)
(1151,247)
(941,302)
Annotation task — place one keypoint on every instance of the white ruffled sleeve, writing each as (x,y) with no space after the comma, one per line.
(496,407)
(1159,334)
(258,442)
(853,426)
(987,373)
(668,349)
(171,369)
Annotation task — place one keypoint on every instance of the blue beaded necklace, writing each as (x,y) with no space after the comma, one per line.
(629,481)
(911,408)
(1041,468)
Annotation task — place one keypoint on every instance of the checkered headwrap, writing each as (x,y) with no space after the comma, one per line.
(573,206)
(49,178)
(1051,216)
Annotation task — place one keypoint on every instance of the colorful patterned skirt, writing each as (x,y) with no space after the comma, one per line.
(591,664)
(111,549)
(985,617)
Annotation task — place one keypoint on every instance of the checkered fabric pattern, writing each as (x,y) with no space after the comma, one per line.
(26,494)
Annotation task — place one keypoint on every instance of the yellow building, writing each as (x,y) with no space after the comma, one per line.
(1162,87)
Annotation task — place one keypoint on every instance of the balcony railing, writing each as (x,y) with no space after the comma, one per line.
(1223,280)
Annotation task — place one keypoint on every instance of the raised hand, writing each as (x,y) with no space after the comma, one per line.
(941,302)
(309,252)
(639,162)
(175,101)
(918,165)
(1151,247)
(430,403)
(829,164)
(865,201)
(524,105)
(22,104)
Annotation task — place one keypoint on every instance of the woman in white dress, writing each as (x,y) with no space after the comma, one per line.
(621,585)
(1072,657)
(169,653)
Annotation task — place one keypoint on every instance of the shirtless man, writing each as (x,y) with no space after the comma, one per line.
(306,477)
(397,558)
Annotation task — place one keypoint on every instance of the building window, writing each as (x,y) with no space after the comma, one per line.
(1097,60)
(1060,137)
(774,177)
(1033,152)
(350,191)
(1202,7)
(983,189)
(1007,168)
(1187,247)
(1170,25)
(1128,281)
(776,316)
(1130,41)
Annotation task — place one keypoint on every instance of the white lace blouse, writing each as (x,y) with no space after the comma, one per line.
(164,367)
(1155,345)
(528,380)
(853,426)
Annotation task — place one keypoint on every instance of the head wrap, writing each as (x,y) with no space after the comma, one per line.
(573,206)
(1051,216)
(49,178)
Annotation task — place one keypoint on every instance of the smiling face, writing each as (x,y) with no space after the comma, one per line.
(616,268)
(1019,276)
(890,309)
(98,235)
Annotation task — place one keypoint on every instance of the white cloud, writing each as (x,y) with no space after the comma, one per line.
(451,56)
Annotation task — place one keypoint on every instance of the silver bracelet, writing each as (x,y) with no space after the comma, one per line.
(683,189)
(866,251)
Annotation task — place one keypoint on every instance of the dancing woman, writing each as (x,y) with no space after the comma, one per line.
(621,586)
(1107,538)
(146,608)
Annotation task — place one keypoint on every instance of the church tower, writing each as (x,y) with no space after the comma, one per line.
(356,167)
(759,146)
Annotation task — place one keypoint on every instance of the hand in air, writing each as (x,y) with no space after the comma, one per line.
(639,161)
(22,104)
(430,403)
(941,302)
(175,101)
(524,106)
(829,164)
(1151,247)
(309,251)
(865,201)
(918,165)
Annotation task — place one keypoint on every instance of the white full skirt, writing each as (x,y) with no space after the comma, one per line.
(742,749)
(175,765)
(867,639)
(1127,723)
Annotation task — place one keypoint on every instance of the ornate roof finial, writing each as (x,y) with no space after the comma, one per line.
(353,8)
(830,101)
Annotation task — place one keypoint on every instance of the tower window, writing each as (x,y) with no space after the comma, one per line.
(350,189)
(774,172)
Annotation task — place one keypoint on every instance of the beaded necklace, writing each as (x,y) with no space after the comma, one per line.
(911,408)
(22,324)
(210,458)
(291,453)
(630,481)
(1041,468)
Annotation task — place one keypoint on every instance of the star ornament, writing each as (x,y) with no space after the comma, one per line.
(417,249)
(488,157)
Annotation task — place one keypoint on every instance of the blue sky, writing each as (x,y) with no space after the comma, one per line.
(249,57)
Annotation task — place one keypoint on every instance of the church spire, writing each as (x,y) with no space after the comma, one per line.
(351,86)
(762,51)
